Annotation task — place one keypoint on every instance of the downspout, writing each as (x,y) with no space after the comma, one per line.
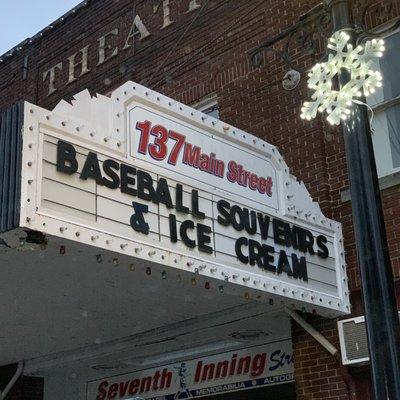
(348,379)
(14,379)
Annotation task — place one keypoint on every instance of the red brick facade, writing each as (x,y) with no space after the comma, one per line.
(206,52)
(317,373)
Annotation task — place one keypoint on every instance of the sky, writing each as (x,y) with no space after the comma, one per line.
(20,19)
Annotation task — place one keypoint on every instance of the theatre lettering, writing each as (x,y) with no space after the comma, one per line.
(107,47)
(194,232)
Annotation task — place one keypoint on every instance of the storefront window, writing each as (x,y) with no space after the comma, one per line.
(385,103)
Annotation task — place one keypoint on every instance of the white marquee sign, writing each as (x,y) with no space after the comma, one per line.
(141,174)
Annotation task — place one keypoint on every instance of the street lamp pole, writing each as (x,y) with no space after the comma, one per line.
(371,242)
(381,313)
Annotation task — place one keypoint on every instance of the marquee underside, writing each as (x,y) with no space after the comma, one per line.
(87,307)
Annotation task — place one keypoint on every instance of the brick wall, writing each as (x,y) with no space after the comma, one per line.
(317,373)
(212,57)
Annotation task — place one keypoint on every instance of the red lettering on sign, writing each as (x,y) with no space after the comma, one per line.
(180,141)
(113,391)
(237,174)
(158,149)
(144,128)
(195,158)
(134,386)
(102,392)
(191,155)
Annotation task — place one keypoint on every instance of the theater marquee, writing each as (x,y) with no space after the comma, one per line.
(141,174)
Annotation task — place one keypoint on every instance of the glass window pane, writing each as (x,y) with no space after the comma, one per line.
(386,123)
(386,140)
(393,118)
(389,65)
(213,111)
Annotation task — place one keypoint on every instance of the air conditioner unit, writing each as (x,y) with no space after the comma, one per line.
(353,341)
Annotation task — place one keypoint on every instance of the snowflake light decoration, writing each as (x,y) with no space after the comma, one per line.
(364,80)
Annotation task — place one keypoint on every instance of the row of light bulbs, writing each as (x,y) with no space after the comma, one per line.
(207,285)
(194,281)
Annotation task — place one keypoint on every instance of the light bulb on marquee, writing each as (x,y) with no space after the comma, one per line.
(364,79)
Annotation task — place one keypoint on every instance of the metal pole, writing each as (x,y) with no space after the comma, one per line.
(371,242)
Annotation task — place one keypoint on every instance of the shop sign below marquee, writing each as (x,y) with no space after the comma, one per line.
(259,366)
(141,174)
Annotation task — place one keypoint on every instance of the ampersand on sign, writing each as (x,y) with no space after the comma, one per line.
(138,223)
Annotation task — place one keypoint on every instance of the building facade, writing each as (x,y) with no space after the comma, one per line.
(198,52)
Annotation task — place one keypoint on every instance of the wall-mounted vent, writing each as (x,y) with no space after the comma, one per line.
(353,341)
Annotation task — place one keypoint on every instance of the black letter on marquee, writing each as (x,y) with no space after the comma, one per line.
(321,242)
(263,222)
(279,232)
(183,231)
(127,180)
(162,194)
(145,183)
(238,225)
(108,167)
(268,258)
(66,158)
(223,209)
(195,205)
(138,222)
(255,253)
(306,241)
(292,235)
(172,228)
(299,268)
(250,221)
(283,264)
(203,239)
(179,200)
(91,169)
(242,241)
